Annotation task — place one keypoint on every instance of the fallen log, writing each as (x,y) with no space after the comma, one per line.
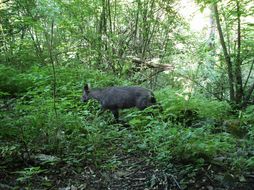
(152,64)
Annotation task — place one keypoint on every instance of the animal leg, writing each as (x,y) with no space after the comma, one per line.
(116,114)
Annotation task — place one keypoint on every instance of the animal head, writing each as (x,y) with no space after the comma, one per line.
(86,91)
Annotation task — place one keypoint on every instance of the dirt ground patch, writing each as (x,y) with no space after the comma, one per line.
(134,173)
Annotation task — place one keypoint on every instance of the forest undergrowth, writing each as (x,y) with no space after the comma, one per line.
(192,143)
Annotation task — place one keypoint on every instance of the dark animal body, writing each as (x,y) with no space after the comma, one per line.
(116,98)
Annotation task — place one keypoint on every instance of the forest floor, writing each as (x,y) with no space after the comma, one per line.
(117,168)
(133,172)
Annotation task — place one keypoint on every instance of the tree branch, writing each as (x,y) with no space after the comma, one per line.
(247,79)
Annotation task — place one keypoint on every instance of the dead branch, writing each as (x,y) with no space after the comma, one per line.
(151,64)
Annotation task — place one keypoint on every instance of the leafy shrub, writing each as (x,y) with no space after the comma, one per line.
(176,103)
(248,114)
(185,144)
(12,82)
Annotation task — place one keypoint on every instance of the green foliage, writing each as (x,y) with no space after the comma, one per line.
(177,102)
(28,173)
(13,82)
(178,132)
(107,43)
(250,162)
(248,114)
(190,145)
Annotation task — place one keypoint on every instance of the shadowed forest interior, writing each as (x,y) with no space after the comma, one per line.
(127,94)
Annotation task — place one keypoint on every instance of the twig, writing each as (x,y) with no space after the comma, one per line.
(177,184)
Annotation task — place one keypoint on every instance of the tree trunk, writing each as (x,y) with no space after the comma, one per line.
(238,73)
(211,38)
(49,41)
(226,55)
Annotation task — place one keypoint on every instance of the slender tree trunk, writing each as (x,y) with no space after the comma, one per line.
(211,39)
(226,55)
(136,36)
(53,66)
(212,28)
(238,73)
(249,74)
(110,48)
(248,94)
(49,39)
(109,17)
(38,50)
(114,18)
(144,31)
(148,14)
(100,33)
(4,42)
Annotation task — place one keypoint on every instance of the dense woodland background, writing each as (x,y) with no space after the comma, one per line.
(204,80)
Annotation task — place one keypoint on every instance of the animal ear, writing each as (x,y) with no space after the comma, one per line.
(86,88)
